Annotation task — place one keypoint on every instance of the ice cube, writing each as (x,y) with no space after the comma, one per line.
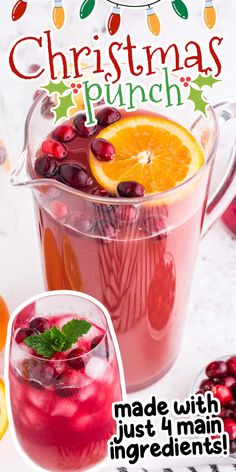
(96,368)
(34,417)
(87,392)
(81,422)
(43,400)
(64,408)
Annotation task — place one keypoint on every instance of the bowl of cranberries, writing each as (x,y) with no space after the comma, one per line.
(219,377)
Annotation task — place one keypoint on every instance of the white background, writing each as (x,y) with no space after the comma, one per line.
(211,322)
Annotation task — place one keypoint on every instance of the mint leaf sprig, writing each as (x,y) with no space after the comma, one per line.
(53,340)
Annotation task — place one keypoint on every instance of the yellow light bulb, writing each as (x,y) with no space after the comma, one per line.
(153,21)
(58,14)
(209,14)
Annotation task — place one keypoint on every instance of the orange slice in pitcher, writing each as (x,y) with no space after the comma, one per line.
(151,150)
(3,410)
(4,317)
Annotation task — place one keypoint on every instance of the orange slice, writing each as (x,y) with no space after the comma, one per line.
(3,410)
(154,151)
(71,270)
(4,317)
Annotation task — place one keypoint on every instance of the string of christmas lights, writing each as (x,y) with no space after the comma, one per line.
(114,21)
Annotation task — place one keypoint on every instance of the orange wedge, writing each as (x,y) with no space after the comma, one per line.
(3,410)
(4,317)
(151,150)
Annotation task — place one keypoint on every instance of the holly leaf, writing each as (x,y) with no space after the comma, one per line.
(65,103)
(202,80)
(53,87)
(196,96)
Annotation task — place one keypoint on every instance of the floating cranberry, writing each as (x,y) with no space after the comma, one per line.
(58,208)
(228,381)
(126,213)
(54,148)
(107,116)
(79,223)
(130,189)
(230,428)
(100,192)
(74,359)
(100,346)
(44,373)
(45,166)
(64,133)
(105,230)
(231,364)
(67,383)
(223,394)
(103,150)
(59,362)
(216,369)
(40,324)
(74,176)
(82,129)
(206,385)
(24,333)
(156,225)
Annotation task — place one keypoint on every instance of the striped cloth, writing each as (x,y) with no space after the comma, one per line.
(200,468)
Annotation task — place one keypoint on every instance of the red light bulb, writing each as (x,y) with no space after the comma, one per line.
(114,21)
(19,9)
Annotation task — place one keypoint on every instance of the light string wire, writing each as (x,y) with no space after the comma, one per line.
(118,4)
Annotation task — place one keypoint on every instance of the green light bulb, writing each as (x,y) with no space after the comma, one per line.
(86,8)
(180,9)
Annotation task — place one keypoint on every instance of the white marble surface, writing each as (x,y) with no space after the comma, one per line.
(211,320)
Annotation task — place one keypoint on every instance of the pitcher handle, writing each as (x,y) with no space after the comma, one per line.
(226,189)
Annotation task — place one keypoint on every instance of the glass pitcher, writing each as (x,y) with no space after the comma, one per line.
(141,271)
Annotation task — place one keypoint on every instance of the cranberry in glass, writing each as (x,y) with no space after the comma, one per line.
(103,150)
(44,373)
(107,116)
(54,148)
(156,224)
(223,394)
(23,333)
(100,192)
(58,208)
(216,369)
(100,345)
(74,359)
(40,324)
(130,189)
(67,383)
(74,175)
(64,133)
(82,129)
(45,166)
(230,428)
(78,222)
(126,213)
(231,364)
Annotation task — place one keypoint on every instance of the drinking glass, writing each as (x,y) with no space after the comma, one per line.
(61,417)
(143,271)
